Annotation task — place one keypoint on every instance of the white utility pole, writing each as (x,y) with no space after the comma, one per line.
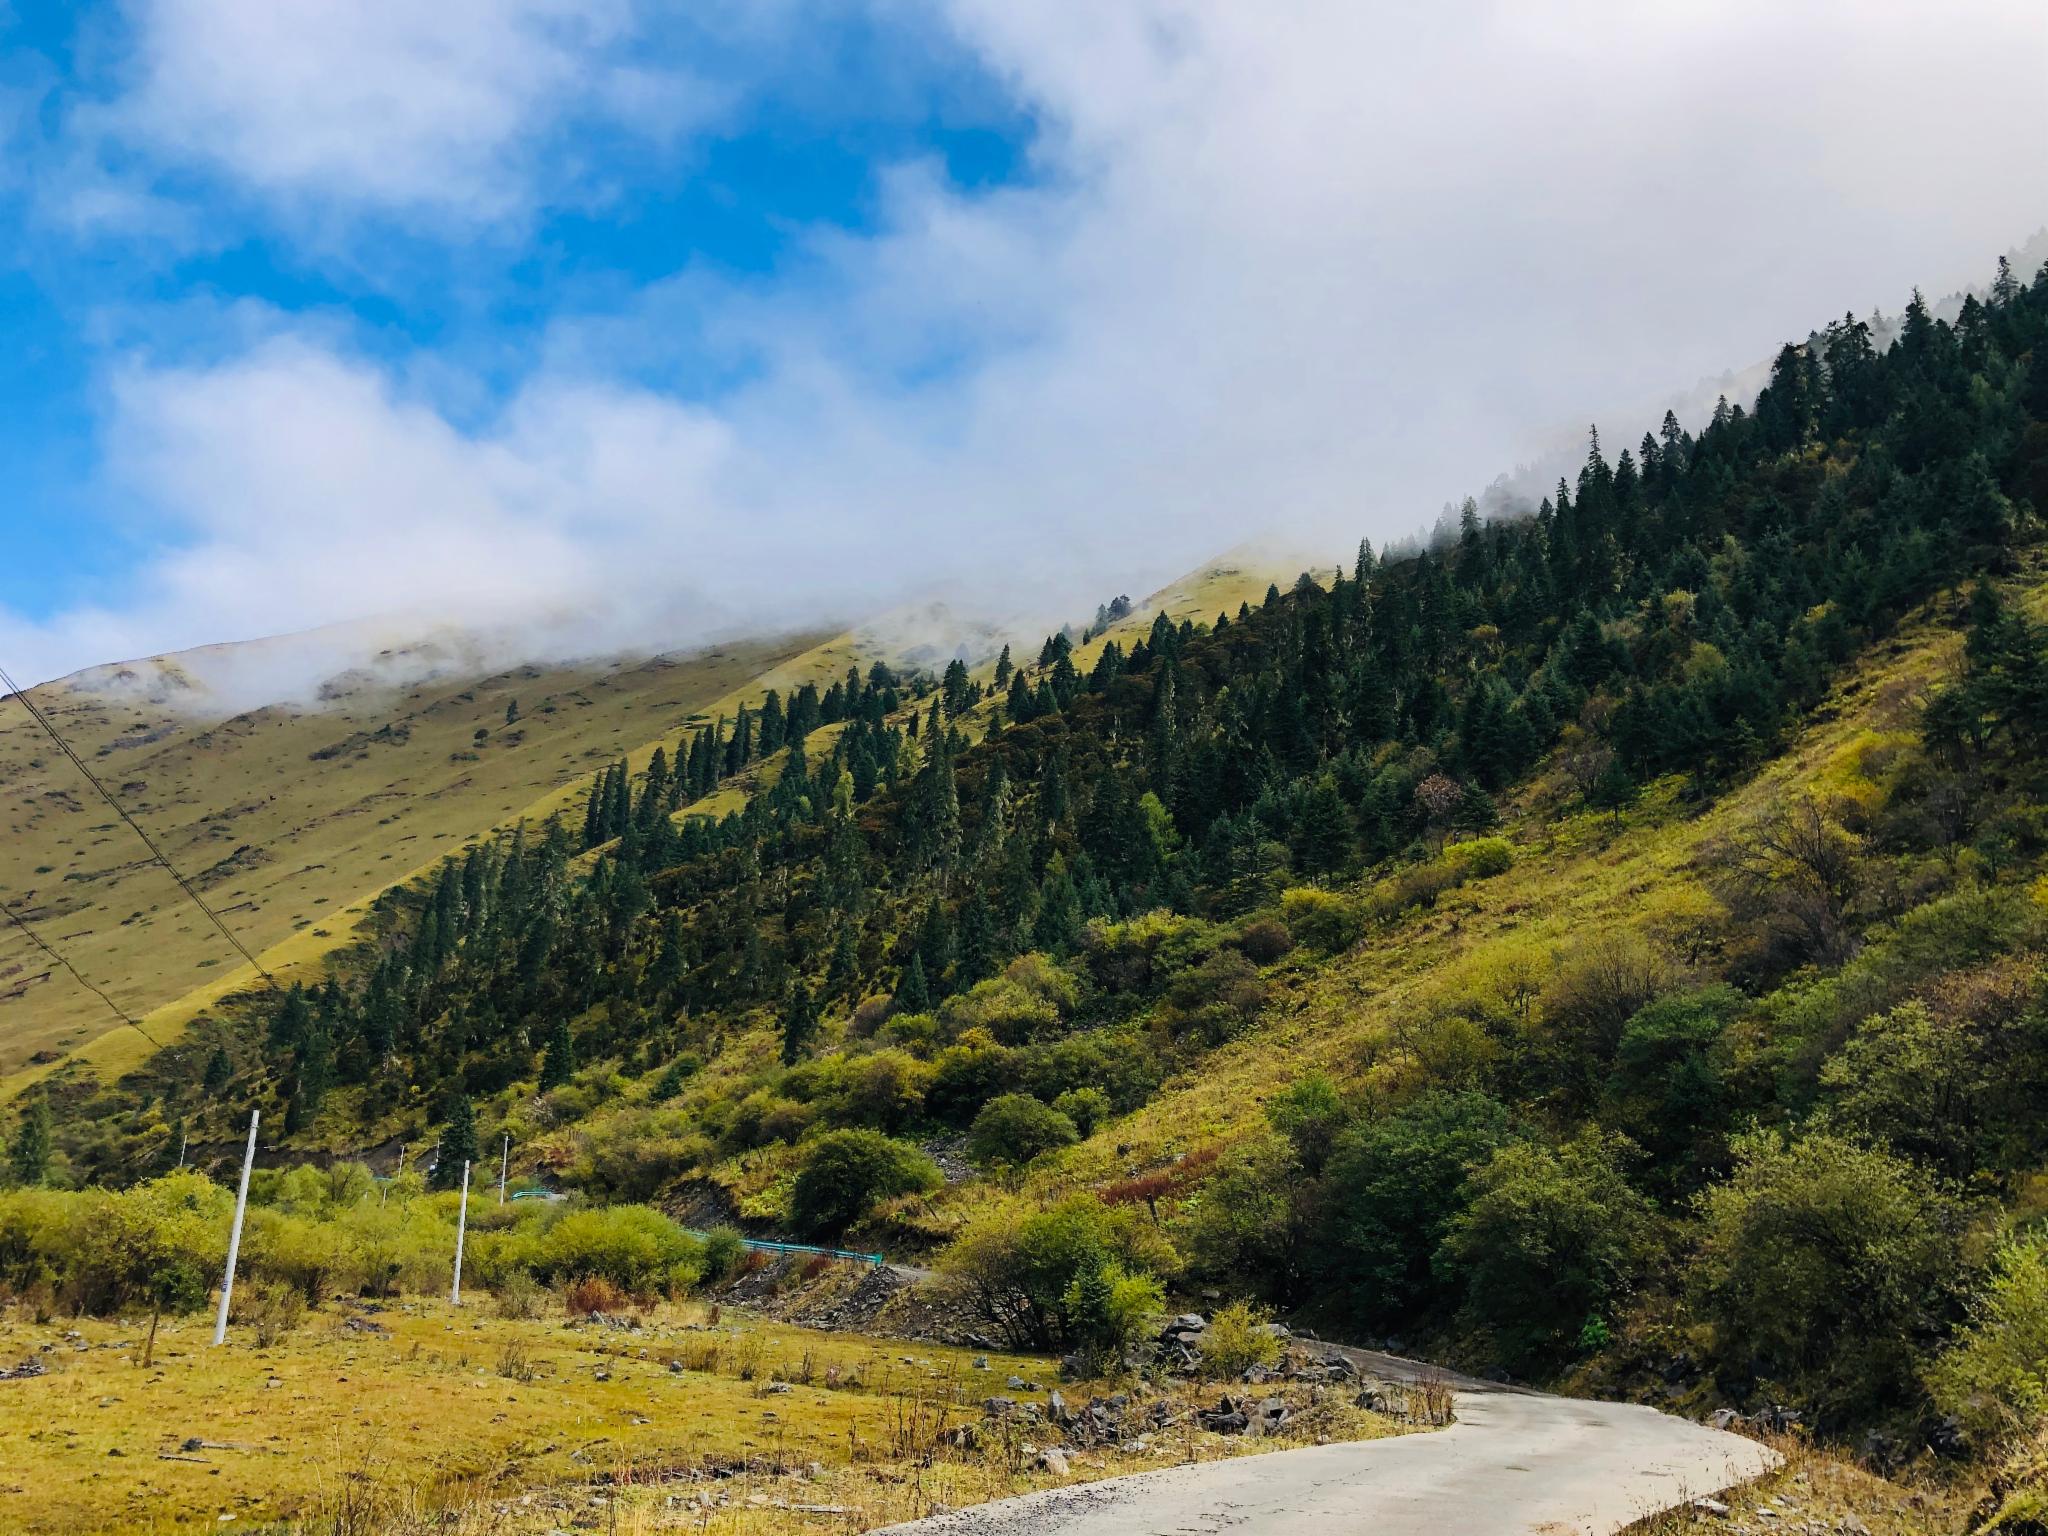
(504,1164)
(183,1137)
(461,1226)
(227,1281)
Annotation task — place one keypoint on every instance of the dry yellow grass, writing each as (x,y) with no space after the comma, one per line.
(517,1426)
(1815,1492)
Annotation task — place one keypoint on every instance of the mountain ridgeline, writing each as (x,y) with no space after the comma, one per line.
(1007,909)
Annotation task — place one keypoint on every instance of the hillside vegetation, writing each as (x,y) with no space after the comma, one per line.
(283,816)
(1604,945)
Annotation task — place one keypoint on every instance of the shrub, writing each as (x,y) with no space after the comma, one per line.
(848,1171)
(1012,1130)
(516,1295)
(1995,1378)
(676,1074)
(637,1249)
(1237,1228)
(1395,1186)
(591,1294)
(1553,1238)
(1820,1261)
(967,1074)
(884,1090)
(1017,1266)
(1417,886)
(1263,941)
(1310,1114)
(1238,1338)
(1322,919)
(1598,986)
(1087,1108)
(1482,857)
(273,1308)
(724,1248)
(1216,1000)
(1107,1311)
(1669,1091)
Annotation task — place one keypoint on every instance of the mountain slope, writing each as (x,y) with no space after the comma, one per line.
(1527,945)
(283,816)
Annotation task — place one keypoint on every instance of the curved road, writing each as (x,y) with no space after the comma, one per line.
(1515,1463)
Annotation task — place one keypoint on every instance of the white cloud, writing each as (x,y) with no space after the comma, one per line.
(387,104)
(1320,265)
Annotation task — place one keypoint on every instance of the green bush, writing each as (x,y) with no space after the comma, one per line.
(1239,1336)
(1087,1108)
(635,1248)
(1310,1113)
(1016,1266)
(1554,1240)
(1820,1263)
(1215,1001)
(1396,1184)
(1669,1091)
(1482,858)
(724,1248)
(1012,1130)
(1107,1311)
(1322,919)
(846,1172)
(1239,1226)
(967,1074)
(1995,1378)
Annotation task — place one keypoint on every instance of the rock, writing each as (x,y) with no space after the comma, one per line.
(1948,1440)
(775,1388)
(981,1362)
(1188,1322)
(1710,1506)
(998,1407)
(1056,1407)
(1723,1418)
(1226,1418)
(1054,1460)
(1015,1384)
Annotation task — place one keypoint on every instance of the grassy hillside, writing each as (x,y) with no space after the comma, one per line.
(283,816)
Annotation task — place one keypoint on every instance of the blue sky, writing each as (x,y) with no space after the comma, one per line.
(800,150)
(611,323)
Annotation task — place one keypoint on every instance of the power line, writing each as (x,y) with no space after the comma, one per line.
(134,826)
(49,949)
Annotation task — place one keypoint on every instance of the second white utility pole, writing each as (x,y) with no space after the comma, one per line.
(227,1281)
(461,1226)
(504,1163)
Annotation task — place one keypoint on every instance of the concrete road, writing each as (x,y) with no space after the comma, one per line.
(1513,1464)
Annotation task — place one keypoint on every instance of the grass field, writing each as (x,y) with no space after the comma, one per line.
(421,1414)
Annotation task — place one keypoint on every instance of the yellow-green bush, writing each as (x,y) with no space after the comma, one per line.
(1322,919)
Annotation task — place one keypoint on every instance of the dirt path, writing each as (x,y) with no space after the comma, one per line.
(1515,1463)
